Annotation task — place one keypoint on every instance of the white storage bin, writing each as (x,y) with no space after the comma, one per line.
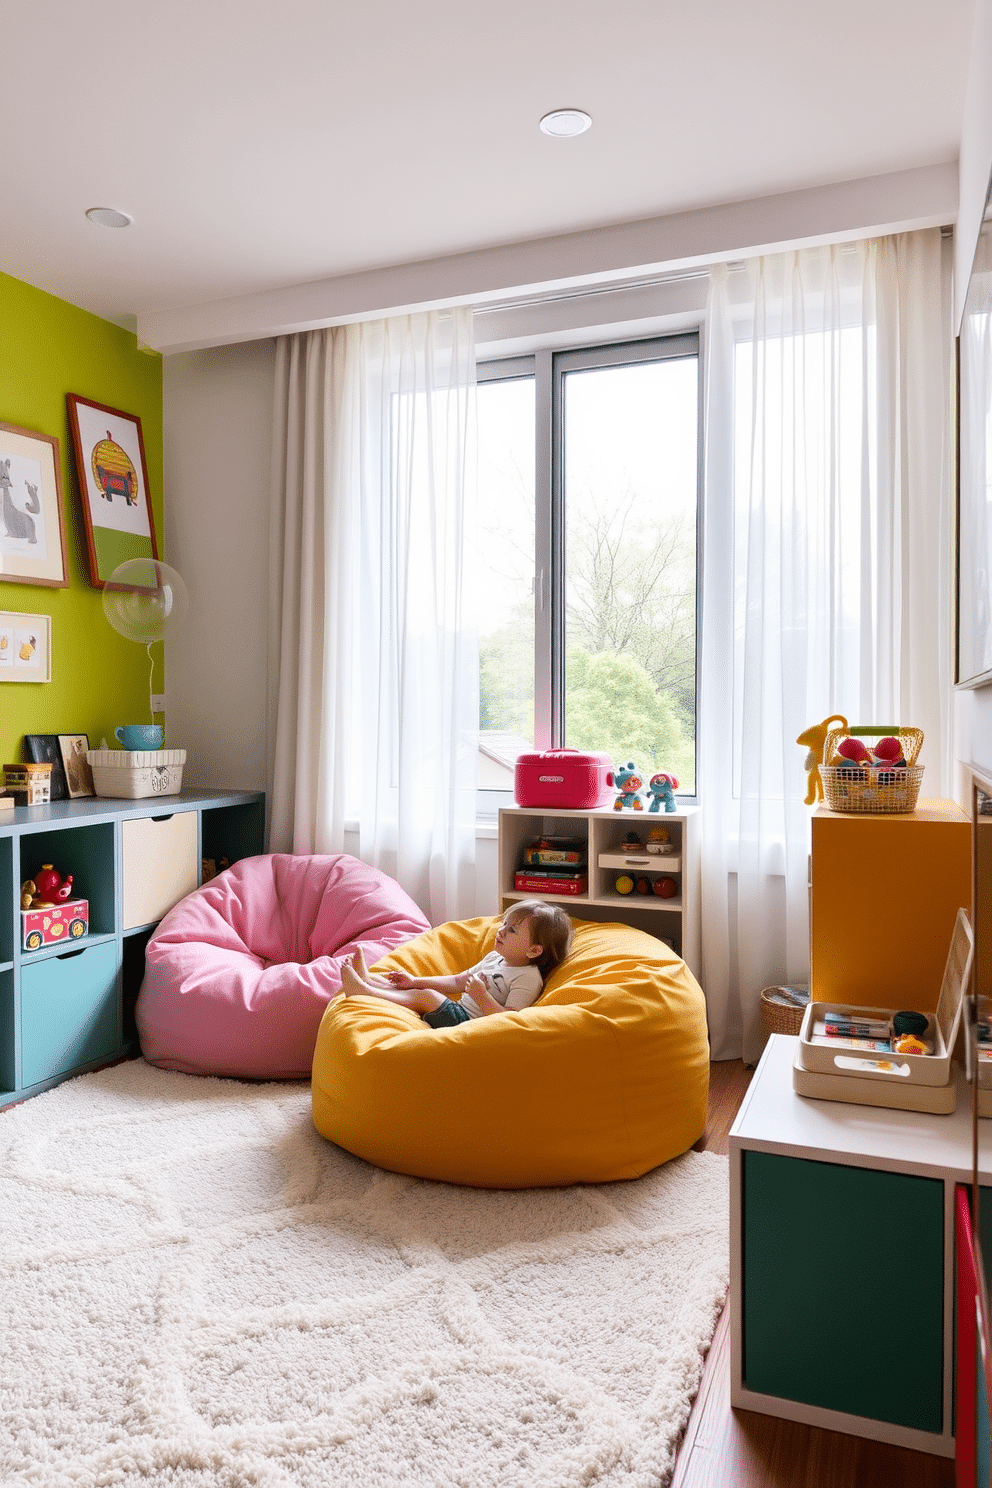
(136,773)
(832,1070)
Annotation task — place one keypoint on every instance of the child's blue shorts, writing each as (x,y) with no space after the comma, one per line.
(447,1015)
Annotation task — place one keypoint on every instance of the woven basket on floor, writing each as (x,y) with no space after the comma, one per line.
(779,1017)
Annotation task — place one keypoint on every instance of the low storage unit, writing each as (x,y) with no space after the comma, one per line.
(842,1261)
(68,1007)
(669,911)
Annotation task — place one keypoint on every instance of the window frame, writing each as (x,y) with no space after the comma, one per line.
(548,368)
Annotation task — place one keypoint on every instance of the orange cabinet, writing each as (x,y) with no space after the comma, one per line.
(885,894)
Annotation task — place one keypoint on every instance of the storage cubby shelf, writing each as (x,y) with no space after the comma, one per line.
(675,920)
(69,1008)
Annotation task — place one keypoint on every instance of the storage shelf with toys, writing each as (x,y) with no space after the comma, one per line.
(83,883)
(638,867)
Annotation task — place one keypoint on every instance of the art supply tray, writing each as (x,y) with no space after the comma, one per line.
(843,1059)
(937,1100)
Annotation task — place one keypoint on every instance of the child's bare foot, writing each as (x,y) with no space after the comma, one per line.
(351,983)
(358,962)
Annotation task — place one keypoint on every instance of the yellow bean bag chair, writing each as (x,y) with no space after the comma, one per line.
(605,1077)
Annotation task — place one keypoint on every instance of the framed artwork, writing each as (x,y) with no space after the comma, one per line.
(25,647)
(32,535)
(78,775)
(43,749)
(109,456)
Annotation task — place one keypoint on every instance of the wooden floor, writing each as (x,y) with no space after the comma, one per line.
(724,1448)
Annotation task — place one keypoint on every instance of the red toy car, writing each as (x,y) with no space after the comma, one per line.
(54,924)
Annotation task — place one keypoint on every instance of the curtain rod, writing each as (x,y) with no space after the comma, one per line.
(585,291)
(618,286)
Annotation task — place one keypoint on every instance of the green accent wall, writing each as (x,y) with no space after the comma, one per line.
(49,348)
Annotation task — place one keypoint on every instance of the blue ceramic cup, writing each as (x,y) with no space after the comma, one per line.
(139,735)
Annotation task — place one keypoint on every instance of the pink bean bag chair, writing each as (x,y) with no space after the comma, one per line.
(238,974)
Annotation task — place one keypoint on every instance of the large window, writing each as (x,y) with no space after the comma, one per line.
(589,483)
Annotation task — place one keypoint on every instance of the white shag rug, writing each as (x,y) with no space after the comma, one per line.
(197,1291)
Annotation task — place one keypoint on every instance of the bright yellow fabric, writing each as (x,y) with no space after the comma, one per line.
(605,1077)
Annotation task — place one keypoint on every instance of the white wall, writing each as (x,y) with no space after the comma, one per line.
(218,420)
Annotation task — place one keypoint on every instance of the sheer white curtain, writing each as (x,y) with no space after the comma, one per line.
(373,661)
(827,572)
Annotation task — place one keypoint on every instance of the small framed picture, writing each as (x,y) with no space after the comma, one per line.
(78,775)
(32,536)
(25,647)
(43,749)
(112,476)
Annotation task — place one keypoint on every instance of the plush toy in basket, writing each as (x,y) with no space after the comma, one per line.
(879,777)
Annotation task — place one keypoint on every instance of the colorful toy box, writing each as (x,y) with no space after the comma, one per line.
(55,924)
(569,778)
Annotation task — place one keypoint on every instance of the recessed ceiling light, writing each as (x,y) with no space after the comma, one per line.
(562,123)
(109,217)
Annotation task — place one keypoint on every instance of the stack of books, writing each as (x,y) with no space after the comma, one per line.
(553,865)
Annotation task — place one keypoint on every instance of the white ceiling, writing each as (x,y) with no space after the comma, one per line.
(261,145)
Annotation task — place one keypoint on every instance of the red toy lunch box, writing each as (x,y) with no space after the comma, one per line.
(568,778)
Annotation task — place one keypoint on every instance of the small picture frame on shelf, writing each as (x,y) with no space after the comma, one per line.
(43,749)
(25,647)
(78,775)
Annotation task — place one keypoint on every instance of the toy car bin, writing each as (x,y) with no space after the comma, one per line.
(839,1069)
(55,924)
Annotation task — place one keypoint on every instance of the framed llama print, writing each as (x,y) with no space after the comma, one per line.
(113,486)
(32,537)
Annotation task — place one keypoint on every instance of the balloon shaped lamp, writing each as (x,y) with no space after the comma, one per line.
(145,600)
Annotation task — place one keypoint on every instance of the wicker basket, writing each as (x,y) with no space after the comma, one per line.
(870,790)
(779,1016)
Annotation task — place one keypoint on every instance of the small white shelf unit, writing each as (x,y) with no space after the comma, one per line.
(675,920)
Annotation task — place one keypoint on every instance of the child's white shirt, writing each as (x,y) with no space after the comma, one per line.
(513,987)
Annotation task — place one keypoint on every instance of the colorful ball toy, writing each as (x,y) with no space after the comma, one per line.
(855,750)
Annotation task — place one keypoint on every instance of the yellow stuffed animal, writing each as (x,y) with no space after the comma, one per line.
(814,738)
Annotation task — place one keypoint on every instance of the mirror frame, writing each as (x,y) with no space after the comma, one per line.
(973,560)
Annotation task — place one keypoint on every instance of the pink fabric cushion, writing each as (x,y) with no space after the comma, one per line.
(238,974)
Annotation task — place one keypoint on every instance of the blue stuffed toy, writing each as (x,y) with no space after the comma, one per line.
(628,782)
(662,787)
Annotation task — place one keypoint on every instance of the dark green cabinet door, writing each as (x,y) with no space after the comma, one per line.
(843,1288)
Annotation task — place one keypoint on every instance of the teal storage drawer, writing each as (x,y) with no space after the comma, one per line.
(843,1291)
(68,1011)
